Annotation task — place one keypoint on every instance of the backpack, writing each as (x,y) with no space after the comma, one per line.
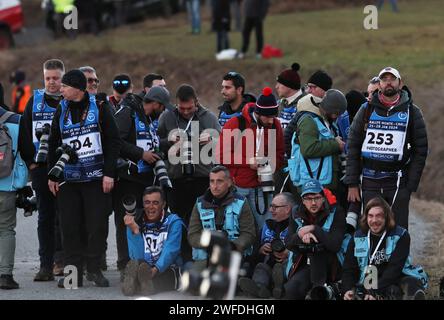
(6,151)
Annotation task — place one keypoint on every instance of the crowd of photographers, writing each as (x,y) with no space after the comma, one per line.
(301,197)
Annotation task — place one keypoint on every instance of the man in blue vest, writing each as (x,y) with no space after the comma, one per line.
(82,186)
(13,126)
(154,240)
(388,147)
(383,245)
(39,111)
(314,239)
(221,208)
(137,125)
(272,252)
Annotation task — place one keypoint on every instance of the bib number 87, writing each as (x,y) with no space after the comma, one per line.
(380,138)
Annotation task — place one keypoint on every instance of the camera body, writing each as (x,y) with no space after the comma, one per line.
(265,174)
(26,200)
(360,292)
(42,135)
(310,248)
(66,155)
(277,245)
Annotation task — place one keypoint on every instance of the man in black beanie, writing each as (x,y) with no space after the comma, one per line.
(319,83)
(82,187)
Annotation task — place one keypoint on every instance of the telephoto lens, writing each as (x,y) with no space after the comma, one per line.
(191,281)
(322,293)
(68,155)
(42,135)
(277,245)
(161,174)
(187,164)
(26,200)
(129,202)
(211,238)
(265,174)
(215,286)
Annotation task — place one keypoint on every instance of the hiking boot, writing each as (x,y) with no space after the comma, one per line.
(44,275)
(57,270)
(145,279)
(277,274)
(98,278)
(252,288)
(61,283)
(130,285)
(7,282)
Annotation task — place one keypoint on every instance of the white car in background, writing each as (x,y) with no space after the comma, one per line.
(11,21)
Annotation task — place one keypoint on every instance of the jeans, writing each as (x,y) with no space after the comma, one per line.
(46,224)
(253,194)
(193,9)
(8,221)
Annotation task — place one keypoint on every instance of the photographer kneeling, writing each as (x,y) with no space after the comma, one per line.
(385,246)
(273,253)
(314,238)
(154,240)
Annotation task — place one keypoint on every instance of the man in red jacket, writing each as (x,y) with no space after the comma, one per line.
(254,153)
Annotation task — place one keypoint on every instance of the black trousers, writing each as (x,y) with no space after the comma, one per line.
(124,187)
(405,289)
(250,24)
(181,200)
(84,211)
(387,190)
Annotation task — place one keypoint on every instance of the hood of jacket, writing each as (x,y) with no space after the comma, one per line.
(309,103)
(404,101)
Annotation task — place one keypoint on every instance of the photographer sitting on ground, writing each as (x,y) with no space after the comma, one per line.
(154,237)
(314,238)
(384,245)
(273,253)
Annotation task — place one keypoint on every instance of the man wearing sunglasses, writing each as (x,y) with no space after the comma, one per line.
(388,147)
(121,87)
(315,237)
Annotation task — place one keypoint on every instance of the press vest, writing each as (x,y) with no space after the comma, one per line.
(231,223)
(147,139)
(362,254)
(19,175)
(85,139)
(384,140)
(42,114)
(302,169)
(268,235)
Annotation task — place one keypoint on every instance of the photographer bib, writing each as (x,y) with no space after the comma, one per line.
(286,115)
(85,139)
(154,237)
(42,114)
(147,139)
(385,137)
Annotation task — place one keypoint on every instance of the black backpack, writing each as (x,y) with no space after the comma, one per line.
(6,151)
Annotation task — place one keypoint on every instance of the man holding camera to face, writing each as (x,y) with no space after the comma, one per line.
(87,142)
(273,254)
(140,155)
(314,239)
(154,241)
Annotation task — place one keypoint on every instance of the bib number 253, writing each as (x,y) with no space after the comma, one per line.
(380,138)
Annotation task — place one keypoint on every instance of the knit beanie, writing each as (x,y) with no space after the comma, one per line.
(334,102)
(290,77)
(354,101)
(266,104)
(321,79)
(75,78)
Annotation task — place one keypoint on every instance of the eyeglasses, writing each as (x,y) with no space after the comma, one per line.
(274,207)
(311,199)
(310,86)
(124,82)
(91,80)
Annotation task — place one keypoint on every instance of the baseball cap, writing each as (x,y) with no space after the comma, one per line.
(390,70)
(311,186)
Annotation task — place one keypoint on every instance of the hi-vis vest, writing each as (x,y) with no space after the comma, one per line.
(86,141)
(231,223)
(42,114)
(62,6)
(362,254)
(23,99)
(302,169)
(384,139)
(19,175)
(326,227)
(224,117)
(154,236)
(147,139)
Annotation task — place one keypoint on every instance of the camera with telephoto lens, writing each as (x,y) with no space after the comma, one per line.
(187,164)
(161,172)
(66,155)
(219,280)
(129,202)
(325,292)
(309,248)
(265,173)
(42,135)
(277,245)
(26,200)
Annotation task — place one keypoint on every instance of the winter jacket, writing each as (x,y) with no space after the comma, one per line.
(308,134)
(413,161)
(247,226)
(227,153)
(171,120)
